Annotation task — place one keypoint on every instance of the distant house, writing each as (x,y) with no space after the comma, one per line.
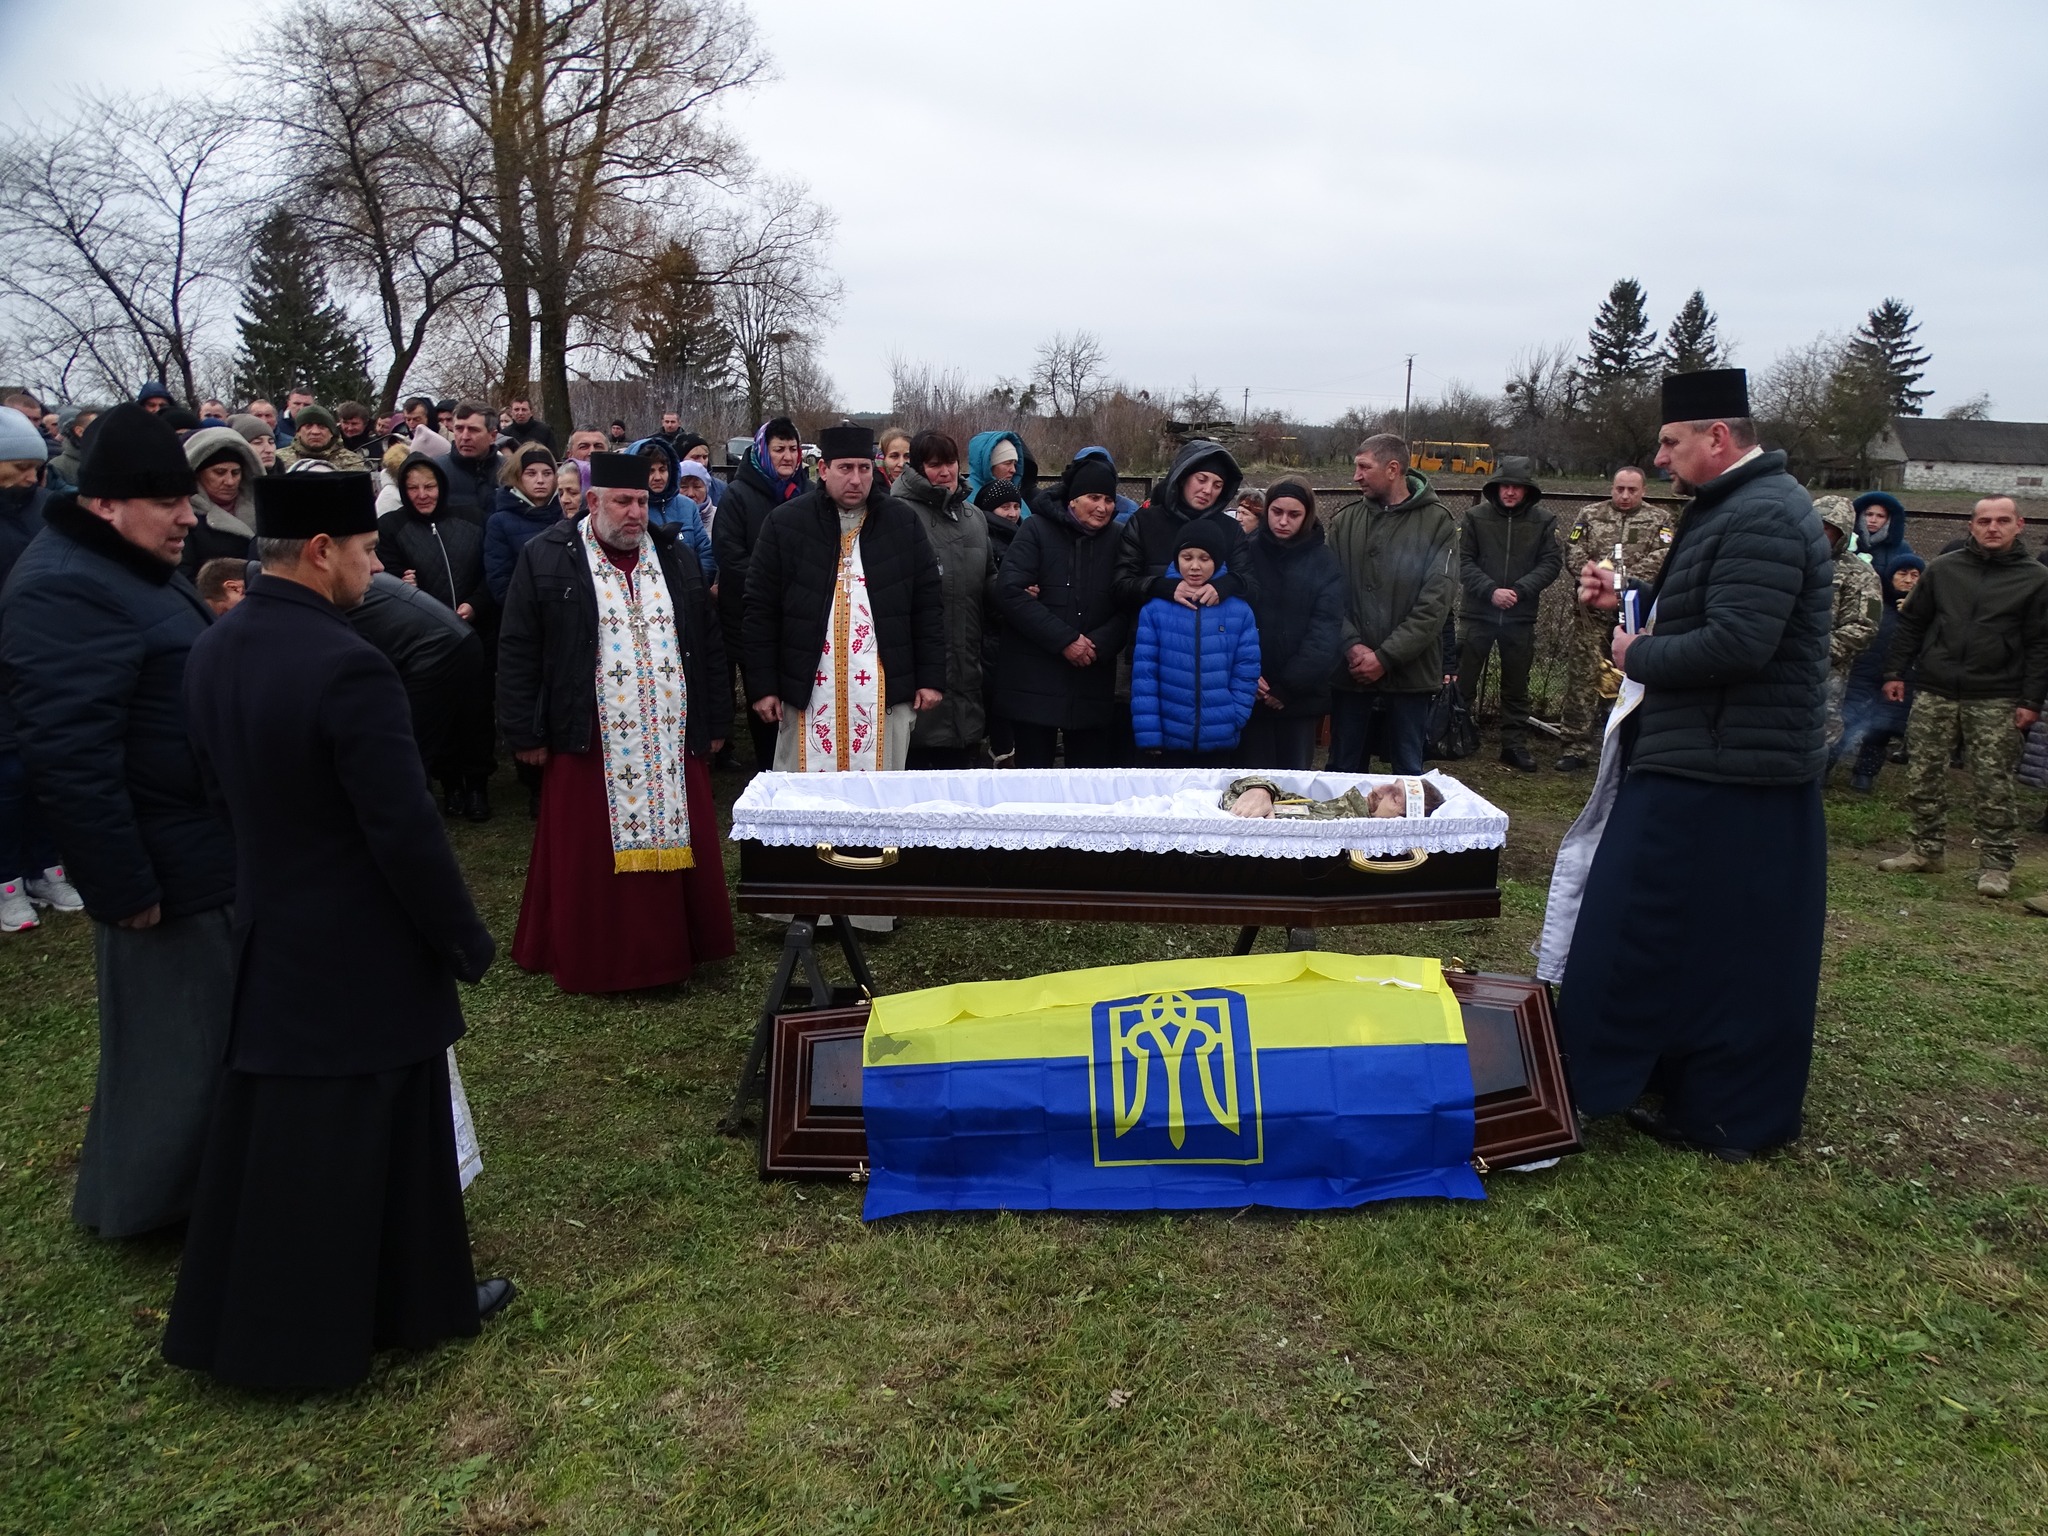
(1993,458)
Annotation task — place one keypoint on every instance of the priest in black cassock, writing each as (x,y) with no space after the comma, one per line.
(328,1222)
(1685,914)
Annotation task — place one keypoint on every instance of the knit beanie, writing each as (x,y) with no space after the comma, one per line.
(1004,452)
(997,493)
(1090,477)
(251,427)
(314,416)
(19,439)
(1293,490)
(134,456)
(1204,533)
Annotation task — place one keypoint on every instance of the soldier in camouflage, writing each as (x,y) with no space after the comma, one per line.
(1644,534)
(1859,605)
(1974,636)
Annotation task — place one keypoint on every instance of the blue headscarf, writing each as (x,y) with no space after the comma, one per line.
(784,487)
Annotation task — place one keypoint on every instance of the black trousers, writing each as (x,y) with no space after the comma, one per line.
(1517,644)
(940,757)
(1272,740)
(1180,757)
(1368,725)
(452,720)
(1038,746)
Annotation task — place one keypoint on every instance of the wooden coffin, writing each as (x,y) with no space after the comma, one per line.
(1131,887)
(1522,1104)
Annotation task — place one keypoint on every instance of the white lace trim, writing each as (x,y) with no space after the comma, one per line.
(1095,811)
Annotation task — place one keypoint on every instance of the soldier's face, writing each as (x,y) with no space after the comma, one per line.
(1626,492)
(1995,523)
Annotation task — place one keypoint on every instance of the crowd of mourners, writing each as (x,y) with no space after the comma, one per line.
(238,647)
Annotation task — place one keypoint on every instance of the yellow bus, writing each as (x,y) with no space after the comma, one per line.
(1456,458)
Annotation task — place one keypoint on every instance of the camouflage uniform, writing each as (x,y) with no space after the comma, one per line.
(1644,535)
(1859,605)
(1991,751)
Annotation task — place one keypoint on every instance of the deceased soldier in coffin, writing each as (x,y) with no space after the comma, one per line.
(1402,797)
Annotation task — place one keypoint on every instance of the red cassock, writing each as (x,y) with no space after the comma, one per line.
(597,931)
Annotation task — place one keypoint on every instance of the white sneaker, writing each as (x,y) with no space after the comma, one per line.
(17,912)
(53,890)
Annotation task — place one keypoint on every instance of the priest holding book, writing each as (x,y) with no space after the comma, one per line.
(1686,910)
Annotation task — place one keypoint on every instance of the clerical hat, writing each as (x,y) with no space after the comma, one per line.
(618,472)
(846,442)
(299,506)
(1711,394)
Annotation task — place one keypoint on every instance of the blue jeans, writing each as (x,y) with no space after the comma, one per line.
(1386,725)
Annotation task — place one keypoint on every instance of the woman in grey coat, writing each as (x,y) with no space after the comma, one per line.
(949,735)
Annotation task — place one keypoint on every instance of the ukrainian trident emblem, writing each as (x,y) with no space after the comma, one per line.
(1173,1078)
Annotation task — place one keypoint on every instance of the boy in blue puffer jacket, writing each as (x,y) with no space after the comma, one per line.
(1195,675)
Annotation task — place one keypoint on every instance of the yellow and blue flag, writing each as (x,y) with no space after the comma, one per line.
(1307,1080)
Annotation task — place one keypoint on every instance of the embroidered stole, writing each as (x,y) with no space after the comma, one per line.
(842,725)
(642,710)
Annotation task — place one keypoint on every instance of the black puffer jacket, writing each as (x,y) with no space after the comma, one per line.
(445,553)
(94,637)
(470,486)
(1153,532)
(1075,573)
(1300,609)
(547,644)
(1976,627)
(1737,666)
(1501,548)
(742,514)
(789,598)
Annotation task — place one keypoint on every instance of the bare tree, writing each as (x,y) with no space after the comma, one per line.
(377,172)
(1792,402)
(774,292)
(1541,402)
(582,111)
(116,240)
(1068,373)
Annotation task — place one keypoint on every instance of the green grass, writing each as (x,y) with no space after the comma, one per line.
(1846,1338)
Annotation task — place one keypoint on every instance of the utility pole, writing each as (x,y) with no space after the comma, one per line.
(1247,416)
(1407,394)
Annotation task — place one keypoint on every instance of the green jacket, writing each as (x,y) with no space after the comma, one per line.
(1976,627)
(1401,566)
(1517,549)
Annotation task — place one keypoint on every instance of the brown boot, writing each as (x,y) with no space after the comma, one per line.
(1910,863)
(1994,882)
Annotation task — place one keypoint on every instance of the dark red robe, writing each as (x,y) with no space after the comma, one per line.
(596,931)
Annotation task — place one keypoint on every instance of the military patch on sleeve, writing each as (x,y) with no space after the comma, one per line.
(1664,534)
(1577,529)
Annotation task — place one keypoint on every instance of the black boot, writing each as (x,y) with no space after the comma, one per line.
(452,798)
(1571,762)
(1518,757)
(476,805)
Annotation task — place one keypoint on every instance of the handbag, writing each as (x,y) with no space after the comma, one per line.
(1450,733)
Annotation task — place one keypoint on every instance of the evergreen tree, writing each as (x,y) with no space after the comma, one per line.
(1886,349)
(1620,398)
(292,332)
(1622,345)
(672,315)
(1694,343)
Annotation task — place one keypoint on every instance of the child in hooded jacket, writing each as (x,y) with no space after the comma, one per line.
(1195,672)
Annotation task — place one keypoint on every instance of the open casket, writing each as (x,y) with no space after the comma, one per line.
(1130,845)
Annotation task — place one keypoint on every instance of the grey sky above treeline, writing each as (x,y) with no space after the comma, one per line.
(1293,195)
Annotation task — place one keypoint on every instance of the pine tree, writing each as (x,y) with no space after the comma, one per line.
(1885,347)
(1622,343)
(673,316)
(1693,342)
(292,332)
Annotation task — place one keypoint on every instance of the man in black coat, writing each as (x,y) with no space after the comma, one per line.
(770,475)
(523,427)
(328,1222)
(1508,553)
(1694,886)
(96,624)
(844,579)
(474,465)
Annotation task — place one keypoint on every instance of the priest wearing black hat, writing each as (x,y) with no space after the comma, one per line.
(612,679)
(1685,913)
(328,1222)
(96,628)
(845,619)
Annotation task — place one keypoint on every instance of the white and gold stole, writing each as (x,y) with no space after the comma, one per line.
(643,710)
(842,727)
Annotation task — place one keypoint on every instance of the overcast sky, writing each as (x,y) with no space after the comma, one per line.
(1290,197)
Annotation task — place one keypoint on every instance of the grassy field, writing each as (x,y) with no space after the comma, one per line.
(1850,1337)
